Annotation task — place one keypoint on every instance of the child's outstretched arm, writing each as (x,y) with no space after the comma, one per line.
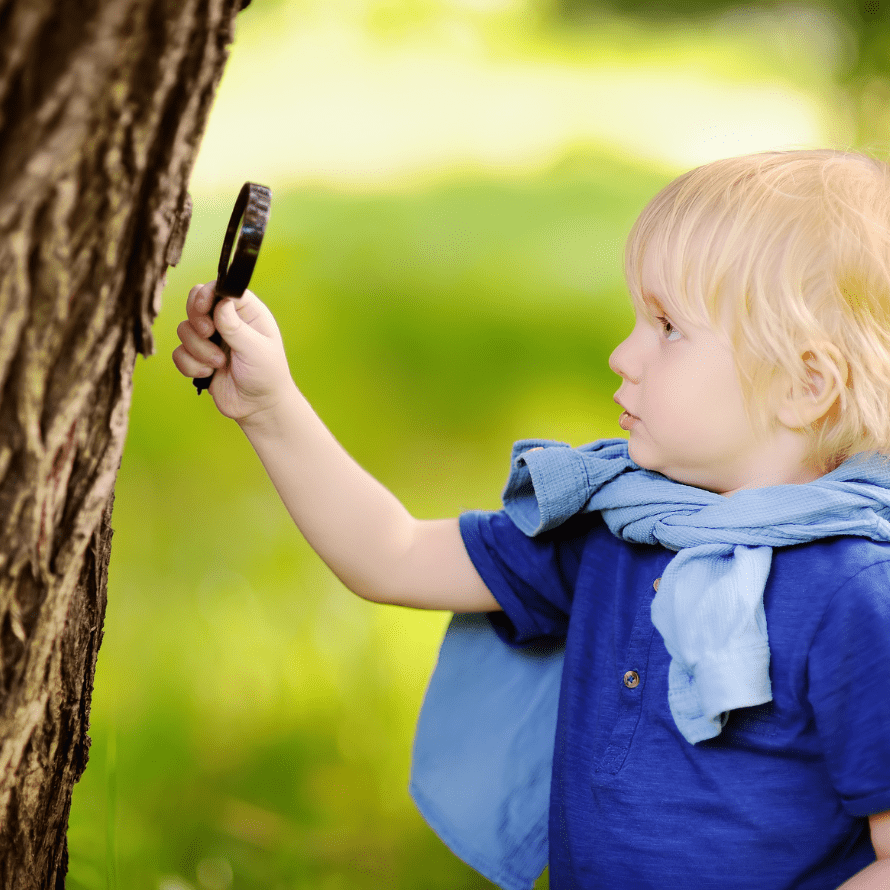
(364,534)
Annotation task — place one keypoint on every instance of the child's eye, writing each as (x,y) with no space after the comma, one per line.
(670,332)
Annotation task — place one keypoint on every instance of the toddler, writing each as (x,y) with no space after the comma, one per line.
(669,665)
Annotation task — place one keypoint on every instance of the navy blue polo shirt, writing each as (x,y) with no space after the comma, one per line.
(780,798)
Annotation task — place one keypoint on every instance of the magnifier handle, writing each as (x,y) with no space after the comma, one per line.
(202,383)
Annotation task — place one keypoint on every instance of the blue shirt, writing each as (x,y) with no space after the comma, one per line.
(780,798)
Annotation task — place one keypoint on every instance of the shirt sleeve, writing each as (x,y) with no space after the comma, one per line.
(849,671)
(533,579)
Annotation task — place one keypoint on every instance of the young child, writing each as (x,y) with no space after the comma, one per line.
(719,712)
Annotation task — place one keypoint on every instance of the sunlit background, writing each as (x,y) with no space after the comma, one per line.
(453,182)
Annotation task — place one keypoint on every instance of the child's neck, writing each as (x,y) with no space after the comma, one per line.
(782,460)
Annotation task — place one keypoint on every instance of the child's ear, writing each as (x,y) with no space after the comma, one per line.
(827,373)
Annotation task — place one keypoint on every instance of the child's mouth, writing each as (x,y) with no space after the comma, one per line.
(627,421)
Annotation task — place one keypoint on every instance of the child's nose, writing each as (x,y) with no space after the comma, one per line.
(622,362)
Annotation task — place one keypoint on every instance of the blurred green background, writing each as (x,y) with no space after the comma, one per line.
(453,182)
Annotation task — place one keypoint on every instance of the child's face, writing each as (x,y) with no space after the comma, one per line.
(685,412)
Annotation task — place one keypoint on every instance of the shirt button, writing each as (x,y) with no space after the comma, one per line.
(655,584)
(631,679)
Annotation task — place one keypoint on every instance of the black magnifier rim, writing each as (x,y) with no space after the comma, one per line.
(248,221)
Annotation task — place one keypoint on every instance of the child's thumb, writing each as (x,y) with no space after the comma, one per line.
(230,326)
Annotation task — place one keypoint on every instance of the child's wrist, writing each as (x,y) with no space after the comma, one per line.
(267,419)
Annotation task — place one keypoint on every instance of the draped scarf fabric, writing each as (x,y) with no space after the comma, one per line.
(709,605)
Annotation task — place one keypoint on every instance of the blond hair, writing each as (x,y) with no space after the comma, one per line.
(788,255)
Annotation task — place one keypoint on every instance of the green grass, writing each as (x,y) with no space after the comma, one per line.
(254,718)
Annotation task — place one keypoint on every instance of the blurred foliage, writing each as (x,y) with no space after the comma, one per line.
(862,29)
(857,32)
(254,718)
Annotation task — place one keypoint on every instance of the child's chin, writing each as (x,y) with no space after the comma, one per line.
(645,459)
(641,456)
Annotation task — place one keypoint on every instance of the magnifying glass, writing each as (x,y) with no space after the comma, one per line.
(248,224)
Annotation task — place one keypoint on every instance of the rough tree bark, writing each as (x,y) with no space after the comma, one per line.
(102,106)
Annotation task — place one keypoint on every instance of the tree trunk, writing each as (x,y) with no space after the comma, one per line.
(102,106)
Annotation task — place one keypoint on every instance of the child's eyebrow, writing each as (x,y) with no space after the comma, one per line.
(657,308)
(653,304)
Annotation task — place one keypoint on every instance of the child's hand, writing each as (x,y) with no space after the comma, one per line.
(255,376)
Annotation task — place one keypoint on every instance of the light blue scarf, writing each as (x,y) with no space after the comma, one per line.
(708,608)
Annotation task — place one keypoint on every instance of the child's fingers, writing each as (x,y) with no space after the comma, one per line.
(188,365)
(200,301)
(199,347)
